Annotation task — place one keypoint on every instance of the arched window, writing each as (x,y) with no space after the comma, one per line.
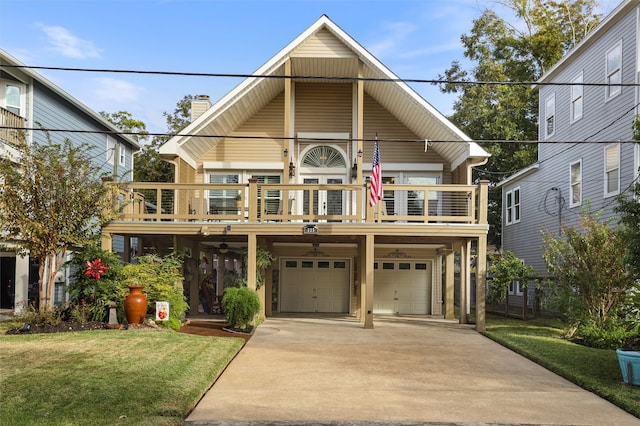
(323,156)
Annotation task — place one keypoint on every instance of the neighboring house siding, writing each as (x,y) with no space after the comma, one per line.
(604,121)
(50,112)
(524,238)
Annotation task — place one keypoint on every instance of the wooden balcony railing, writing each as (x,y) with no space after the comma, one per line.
(280,203)
(11,135)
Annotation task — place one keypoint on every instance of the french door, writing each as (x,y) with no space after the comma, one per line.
(323,202)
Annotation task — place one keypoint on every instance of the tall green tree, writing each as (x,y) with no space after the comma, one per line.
(52,200)
(124,121)
(629,209)
(520,50)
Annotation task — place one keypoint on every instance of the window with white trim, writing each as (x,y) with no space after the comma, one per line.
(512,204)
(612,170)
(111,150)
(12,97)
(614,70)
(122,154)
(515,288)
(223,201)
(575,187)
(550,116)
(576,97)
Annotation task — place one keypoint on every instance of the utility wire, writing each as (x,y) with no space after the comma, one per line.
(285,138)
(322,77)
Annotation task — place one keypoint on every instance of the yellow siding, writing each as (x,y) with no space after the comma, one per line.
(378,120)
(268,122)
(323,44)
(186,174)
(323,107)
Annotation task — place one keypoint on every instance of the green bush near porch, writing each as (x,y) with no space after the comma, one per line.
(240,306)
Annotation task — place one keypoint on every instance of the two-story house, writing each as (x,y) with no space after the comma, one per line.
(30,101)
(588,102)
(282,162)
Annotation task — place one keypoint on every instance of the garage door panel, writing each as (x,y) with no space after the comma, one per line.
(317,285)
(402,287)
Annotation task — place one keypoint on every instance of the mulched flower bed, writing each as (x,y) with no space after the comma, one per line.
(201,328)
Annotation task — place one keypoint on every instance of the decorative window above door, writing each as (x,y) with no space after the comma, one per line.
(323,156)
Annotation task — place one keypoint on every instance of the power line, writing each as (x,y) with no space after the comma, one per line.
(293,138)
(321,77)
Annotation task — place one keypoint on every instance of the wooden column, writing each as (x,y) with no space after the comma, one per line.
(369,273)
(481,264)
(449,282)
(463,283)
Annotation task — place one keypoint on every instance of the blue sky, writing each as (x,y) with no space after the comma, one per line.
(415,39)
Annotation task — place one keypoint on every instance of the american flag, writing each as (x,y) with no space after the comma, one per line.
(376,177)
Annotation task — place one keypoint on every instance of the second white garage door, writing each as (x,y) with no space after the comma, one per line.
(402,287)
(315,285)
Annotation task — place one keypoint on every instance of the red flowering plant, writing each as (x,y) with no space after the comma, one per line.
(95,268)
(95,283)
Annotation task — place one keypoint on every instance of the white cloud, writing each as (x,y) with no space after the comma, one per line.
(114,91)
(69,45)
(397,33)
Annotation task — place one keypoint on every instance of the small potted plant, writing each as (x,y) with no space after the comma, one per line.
(239,199)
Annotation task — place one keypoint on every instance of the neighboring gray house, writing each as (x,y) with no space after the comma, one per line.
(28,100)
(584,154)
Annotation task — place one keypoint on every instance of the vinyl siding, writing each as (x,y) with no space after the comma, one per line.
(323,44)
(51,112)
(268,122)
(601,122)
(377,120)
(323,107)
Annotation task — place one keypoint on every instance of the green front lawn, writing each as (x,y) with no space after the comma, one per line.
(596,370)
(107,377)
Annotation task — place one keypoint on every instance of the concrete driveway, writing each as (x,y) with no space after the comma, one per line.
(406,370)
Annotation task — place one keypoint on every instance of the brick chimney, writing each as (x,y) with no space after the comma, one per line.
(199,105)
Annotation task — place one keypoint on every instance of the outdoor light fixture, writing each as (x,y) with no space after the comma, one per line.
(359,153)
(286,152)
(292,169)
(354,169)
(224,248)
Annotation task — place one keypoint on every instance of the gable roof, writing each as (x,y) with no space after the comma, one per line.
(253,93)
(7,59)
(602,28)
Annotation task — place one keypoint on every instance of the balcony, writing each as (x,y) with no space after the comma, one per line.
(11,136)
(274,204)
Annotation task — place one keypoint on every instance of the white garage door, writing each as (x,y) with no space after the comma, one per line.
(315,285)
(402,287)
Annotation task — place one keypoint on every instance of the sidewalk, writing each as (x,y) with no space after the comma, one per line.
(406,370)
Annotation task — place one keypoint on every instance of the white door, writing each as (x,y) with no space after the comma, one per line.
(325,202)
(402,287)
(315,285)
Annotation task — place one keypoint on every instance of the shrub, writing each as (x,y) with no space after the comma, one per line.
(240,306)
(161,278)
(588,264)
(93,295)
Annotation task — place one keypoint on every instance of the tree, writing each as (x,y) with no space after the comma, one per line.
(590,272)
(52,200)
(504,270)
(511,52)
(125,122)
(629,209)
